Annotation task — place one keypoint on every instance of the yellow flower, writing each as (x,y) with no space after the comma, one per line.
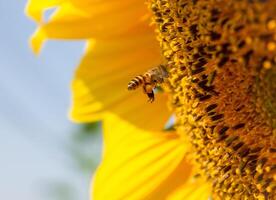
(221,61)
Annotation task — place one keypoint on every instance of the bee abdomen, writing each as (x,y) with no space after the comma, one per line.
(135,82)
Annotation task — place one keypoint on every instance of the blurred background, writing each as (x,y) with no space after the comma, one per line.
(43,156)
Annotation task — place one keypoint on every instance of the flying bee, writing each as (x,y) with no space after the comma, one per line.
(149,80)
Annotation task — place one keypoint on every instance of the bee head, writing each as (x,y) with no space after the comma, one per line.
(156,79)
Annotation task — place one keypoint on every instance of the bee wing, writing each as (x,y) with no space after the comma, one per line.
(164,72)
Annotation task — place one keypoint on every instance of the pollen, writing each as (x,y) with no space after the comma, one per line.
(271,24)
(271,46)
(267,64)
(222,65)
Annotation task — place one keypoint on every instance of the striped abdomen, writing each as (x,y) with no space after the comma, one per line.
(135,82)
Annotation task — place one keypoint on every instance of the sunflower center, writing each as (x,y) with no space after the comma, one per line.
(222,59)
(265,95)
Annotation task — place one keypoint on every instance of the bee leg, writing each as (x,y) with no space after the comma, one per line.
(148,89)
(151,96)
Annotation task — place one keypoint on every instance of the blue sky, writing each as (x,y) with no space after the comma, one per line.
(34,102)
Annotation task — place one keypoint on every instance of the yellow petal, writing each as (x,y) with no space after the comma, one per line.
(97,20)
(93,19)
(37,40)
(192,190)
(138,164)
(35,8)
(101,80)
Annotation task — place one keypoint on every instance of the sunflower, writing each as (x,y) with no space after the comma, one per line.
(221,60)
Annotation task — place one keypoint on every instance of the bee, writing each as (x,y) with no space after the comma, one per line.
(149,80)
